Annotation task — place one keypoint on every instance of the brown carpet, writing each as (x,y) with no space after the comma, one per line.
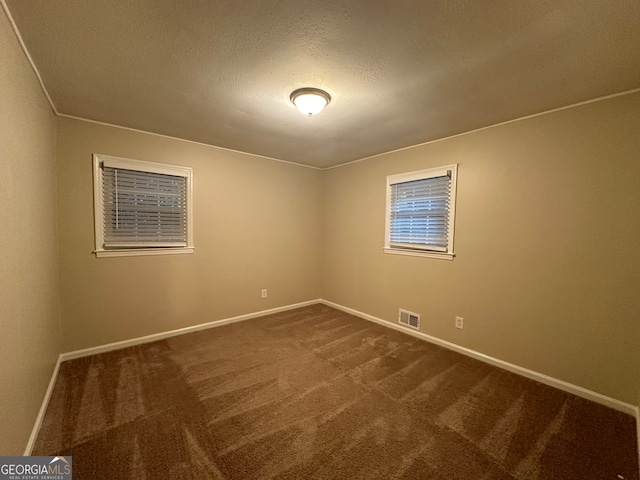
(315,393)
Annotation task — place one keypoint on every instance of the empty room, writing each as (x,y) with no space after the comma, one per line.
(320,240)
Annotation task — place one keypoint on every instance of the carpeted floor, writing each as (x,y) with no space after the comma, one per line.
(315,393)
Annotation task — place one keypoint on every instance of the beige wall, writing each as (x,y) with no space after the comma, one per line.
(539,282)
(30,335)
(547,273)
(256,225)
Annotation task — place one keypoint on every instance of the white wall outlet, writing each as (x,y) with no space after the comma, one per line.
(264,293)
(459,323)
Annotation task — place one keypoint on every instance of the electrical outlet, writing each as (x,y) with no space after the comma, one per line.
(459,323)
(264,293)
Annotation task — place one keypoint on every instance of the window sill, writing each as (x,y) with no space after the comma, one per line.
(418,253)
(137,252)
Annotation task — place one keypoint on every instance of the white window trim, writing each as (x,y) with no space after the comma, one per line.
(419,175)
(98,203)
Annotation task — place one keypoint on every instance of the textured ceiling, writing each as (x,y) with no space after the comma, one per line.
(399,73)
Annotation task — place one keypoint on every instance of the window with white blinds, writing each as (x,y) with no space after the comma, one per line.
(420,212)
(141,207)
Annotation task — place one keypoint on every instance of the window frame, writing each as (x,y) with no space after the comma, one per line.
(423,175)
(98,205)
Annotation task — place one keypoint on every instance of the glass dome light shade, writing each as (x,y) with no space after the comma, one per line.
(310,101)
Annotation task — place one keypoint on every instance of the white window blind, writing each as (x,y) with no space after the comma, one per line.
(141,208)
(420,210)
(144,209)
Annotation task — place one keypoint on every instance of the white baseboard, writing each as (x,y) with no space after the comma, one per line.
(638,432)
(525,372)
(43,408)
(137,341)
(554,382)
(181,331)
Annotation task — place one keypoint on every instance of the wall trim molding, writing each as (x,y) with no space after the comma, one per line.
(194,142)
(60,114)
(43,409)
(27,54)
(486,127)
(180,331)
(525,372)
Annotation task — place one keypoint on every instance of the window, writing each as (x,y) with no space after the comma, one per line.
(420,212)
(141,208)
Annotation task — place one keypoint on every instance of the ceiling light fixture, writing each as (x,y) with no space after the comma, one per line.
(310,101)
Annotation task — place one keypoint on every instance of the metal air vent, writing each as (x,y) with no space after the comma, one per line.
(409,319)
